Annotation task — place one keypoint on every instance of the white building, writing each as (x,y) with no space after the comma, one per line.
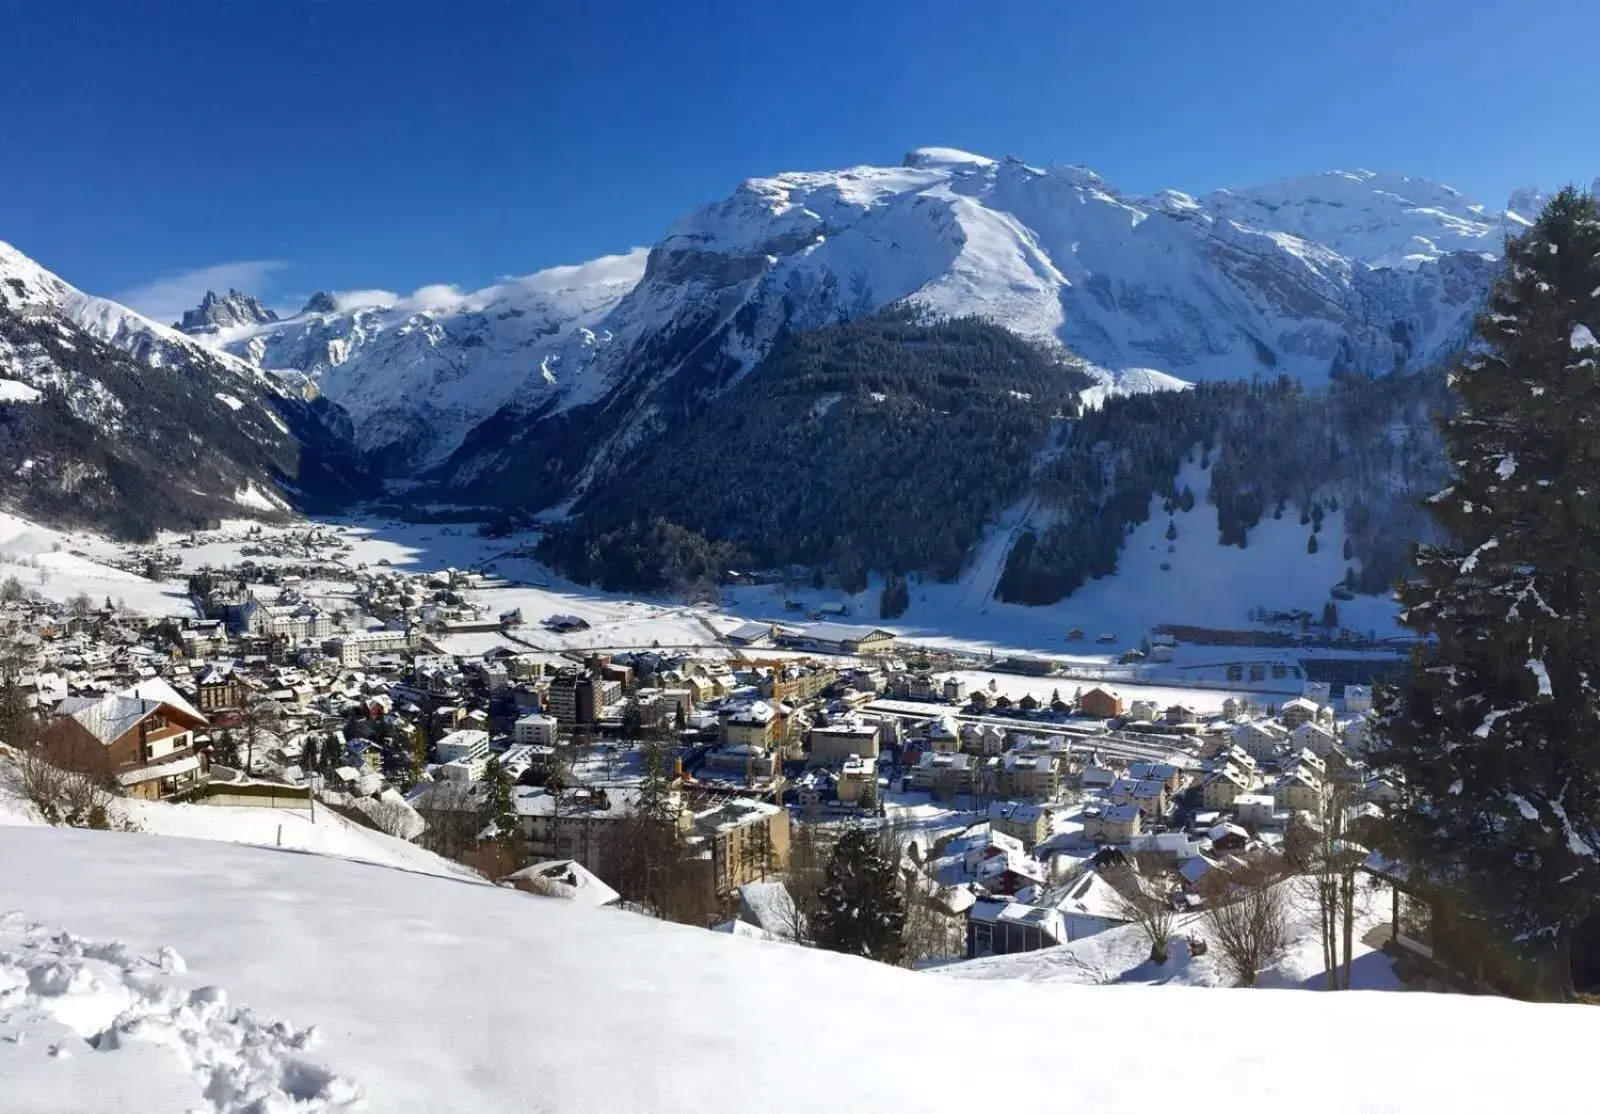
(351,648)
(462,769)
(535,729)
(1254,808)
(463,744)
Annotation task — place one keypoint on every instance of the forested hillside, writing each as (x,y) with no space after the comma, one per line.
(887,445)
(1268,448)
(884,444)
(92,436)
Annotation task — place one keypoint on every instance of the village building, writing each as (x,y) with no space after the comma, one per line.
(143,737)
(833,743)
(1100,703)
(1112,823)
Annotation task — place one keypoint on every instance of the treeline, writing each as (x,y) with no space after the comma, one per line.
(884,444)
(1265,448)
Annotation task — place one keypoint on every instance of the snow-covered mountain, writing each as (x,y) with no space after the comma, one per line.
(417,373)
(1172,284)
(111,420)
(1380,220)
(225,311)
(1304,276)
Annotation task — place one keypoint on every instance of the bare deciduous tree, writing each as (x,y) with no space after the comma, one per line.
(810,848)
(1248,920)
(67,783)
(930,931)
(1326,864)
(393,818)
(451,811)
(655,871)
(1143,898)
(258,724)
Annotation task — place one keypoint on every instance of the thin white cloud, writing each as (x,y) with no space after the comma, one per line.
(359,299)
(627,267)
(166,299)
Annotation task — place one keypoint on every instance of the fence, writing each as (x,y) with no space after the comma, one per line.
(250,795)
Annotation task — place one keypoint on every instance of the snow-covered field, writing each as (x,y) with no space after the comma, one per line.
(1206,585)
(297,982)
(48,561)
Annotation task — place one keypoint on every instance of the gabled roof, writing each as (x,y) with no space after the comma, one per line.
(107,718)
(842,632)
(158,690)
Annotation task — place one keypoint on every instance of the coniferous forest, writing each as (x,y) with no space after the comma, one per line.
(886,445)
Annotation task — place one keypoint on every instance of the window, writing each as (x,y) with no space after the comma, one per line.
(982,938)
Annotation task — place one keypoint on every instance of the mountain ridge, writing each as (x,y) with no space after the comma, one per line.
(1223,285)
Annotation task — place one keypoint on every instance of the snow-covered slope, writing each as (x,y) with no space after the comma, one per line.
(417,373)
(114,421)
(329,983)
(26,288)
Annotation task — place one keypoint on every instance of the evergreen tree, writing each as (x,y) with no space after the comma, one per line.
(225,748)
(1311,544)
(895,598)
(499,814)
(309,756)
(632,722)
(861,911)
(1172,530)
(1495,733)
(656,787)
(333,753)
(1186,500)
(16,717)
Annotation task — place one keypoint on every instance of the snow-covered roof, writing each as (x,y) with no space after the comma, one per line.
(159,770)
(843,632)
(107,718)
(157,689)
(572,879)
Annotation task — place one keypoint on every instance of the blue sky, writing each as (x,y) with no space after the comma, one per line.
(152,149)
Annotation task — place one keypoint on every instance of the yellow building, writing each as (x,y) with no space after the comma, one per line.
(1113,824)
(1021,820)
(756,725)
(1028,775)
(857,783)
(1299,790)
(1220,789)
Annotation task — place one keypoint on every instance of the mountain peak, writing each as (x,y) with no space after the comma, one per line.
(944,158)
(321,302)
(220,312)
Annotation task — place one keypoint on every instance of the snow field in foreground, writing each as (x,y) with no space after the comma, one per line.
(430,995)
(63,997)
